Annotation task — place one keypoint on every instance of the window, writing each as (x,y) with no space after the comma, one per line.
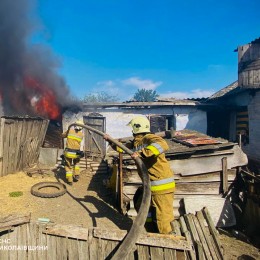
(160,123)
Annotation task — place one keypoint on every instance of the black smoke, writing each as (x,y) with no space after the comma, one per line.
(20,60)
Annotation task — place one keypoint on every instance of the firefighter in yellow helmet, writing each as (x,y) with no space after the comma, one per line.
(151,149)
(72,153)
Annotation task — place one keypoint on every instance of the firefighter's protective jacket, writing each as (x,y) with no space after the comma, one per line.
(73,143)
(151,148)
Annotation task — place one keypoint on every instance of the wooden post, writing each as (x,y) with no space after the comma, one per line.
(224,177)
(120,190)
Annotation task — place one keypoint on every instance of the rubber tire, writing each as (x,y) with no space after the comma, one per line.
(35,190)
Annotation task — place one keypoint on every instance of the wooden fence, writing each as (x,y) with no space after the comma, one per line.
(196,238)
(20,142)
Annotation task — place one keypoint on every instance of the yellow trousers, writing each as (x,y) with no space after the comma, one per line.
(162,205)
(160,213)
(71,168)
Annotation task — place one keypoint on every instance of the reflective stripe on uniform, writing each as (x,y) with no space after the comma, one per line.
(68,174)
(155,148)
(164,184)
(77,167)
(75,137)
(71,155)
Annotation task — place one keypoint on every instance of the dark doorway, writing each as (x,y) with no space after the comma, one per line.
(218,121)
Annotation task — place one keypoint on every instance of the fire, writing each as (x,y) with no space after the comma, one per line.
(43,99)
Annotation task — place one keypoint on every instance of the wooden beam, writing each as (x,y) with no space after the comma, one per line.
(67,231)
(13,220)
(224,175)
(149,239)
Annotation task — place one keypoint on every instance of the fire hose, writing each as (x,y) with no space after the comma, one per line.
(130,239)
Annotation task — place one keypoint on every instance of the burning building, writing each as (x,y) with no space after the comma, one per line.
(29,82)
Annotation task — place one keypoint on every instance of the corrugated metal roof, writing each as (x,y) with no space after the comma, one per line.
(224,91)
(173,102)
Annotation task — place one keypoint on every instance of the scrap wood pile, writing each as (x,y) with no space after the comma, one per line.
(200,231)
(196,238)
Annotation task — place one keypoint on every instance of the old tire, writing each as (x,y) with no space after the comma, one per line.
(38,189)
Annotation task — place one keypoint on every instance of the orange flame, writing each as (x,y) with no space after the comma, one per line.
(46,103)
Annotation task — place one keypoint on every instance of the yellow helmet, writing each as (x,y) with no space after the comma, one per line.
(140,124)
(78,127)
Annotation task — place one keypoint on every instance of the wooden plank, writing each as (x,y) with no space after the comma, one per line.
(143,252)
(183,189)
(12,236)
(33,146)
(224,175)
(112,248)
(52,247)
(194,234)
(204,244)
(176,227)
(72,247)
(200,253)
(6,148)
(22,144)
(172,254)
(12,220)
(186,232)
(206,234)
(151,239)
(131,176)
(5,246)
(71,231)
(213,231)
(31,241)
(2,124)
(120,183)
(93,246)
(22,241)
(12,147)
(83,249)
(42,241)
(156,253)
(61,248)
(18,143)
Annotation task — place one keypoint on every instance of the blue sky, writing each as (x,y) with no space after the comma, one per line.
(180,49)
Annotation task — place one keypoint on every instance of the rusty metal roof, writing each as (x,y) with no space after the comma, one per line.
(190,142)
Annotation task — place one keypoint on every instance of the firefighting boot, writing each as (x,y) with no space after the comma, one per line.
(76,178)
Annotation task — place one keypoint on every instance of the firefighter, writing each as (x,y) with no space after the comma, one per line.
(72,152)
(151,149)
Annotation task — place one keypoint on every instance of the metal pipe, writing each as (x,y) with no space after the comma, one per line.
(130,239)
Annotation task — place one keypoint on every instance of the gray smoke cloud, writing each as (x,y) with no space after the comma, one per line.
(28,73)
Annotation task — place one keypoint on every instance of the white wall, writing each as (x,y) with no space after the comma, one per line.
(191,118)
(253,148)
(118,118)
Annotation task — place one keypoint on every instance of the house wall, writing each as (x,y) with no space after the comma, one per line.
(118,118)
(253,149)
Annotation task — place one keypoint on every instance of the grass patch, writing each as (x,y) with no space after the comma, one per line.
(16,194)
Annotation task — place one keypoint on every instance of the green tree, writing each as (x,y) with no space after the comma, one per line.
(99,97)
(145,95)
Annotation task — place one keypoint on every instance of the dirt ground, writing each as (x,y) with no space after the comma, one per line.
(88,203)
